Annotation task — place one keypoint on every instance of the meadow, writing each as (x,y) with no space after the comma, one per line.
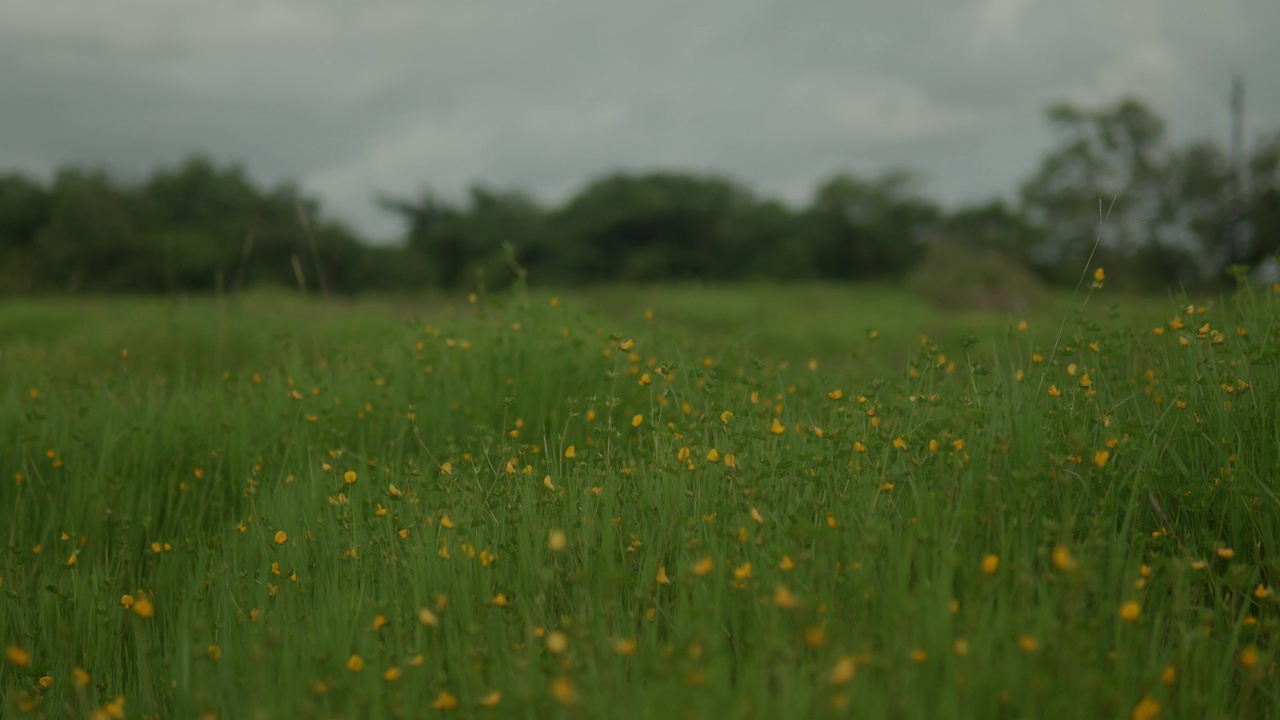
(757,502)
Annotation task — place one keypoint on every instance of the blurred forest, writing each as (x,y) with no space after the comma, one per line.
(1176,215)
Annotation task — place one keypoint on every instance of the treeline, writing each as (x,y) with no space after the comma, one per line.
(1169,215)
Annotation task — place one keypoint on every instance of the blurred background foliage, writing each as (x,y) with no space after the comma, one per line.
(1168,216)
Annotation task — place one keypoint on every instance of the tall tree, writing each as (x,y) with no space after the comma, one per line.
(24,209)
(866,229)
(1107,166)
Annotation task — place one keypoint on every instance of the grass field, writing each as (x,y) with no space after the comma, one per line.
(761,502)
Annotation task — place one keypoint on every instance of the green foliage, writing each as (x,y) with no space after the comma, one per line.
(868,230)
(959,276)
(1112,190)
(1169,215)
(326,510)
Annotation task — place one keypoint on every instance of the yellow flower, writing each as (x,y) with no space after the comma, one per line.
(777,428)
(355,663)
(557,541)
(626,345)
(1146,709)
(815,636)
(17,656)
(1028,643)
(725,417)
(1226,553)
(843,672)
(742,573)
(80,676)
(1169,676)
(1262,592)
(445,701)
(990,563)
(713,455)
(786,564)
(1130,611)
(281,537)
(1100,458)
(427,618)
(835,394)
(349,476)
(499,600)
(919,656)
(1054,391)
(637,421)
(563,691)
(662,578)
(392,674)
(1248,658)
(784,598)
(624,646)
(214,652)
(491,699)
(557,642)
(142,608)
(900,443)
(1099,275)
(1062,559)
(703,566)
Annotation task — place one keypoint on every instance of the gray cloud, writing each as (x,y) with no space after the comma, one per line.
(544,94)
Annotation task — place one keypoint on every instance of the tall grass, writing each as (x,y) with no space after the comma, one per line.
(529,509)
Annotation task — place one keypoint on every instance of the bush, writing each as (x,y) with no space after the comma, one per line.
(960,276)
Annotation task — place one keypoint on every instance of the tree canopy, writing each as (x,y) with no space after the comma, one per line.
(1112,187)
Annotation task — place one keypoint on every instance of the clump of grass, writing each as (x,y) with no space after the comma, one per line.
(524,508)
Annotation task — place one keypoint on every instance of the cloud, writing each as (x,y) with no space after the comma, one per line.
(395,95)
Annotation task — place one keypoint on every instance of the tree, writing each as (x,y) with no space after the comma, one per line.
(1107,168)
(870,229)
(1262,207)
(24,209)
(993,225)
(656,226)
(91,240)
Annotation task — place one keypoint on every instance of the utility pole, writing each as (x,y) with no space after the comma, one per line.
(1236,238)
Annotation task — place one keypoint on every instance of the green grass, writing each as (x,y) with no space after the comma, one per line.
(807,521)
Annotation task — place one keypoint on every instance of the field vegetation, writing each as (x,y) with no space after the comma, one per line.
(749,501)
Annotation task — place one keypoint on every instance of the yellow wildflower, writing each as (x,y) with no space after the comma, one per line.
(1130,611)
(445,701)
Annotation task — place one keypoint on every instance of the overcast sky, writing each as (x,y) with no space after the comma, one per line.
(353,98)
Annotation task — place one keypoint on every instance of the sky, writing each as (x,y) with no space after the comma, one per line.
(396,96)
